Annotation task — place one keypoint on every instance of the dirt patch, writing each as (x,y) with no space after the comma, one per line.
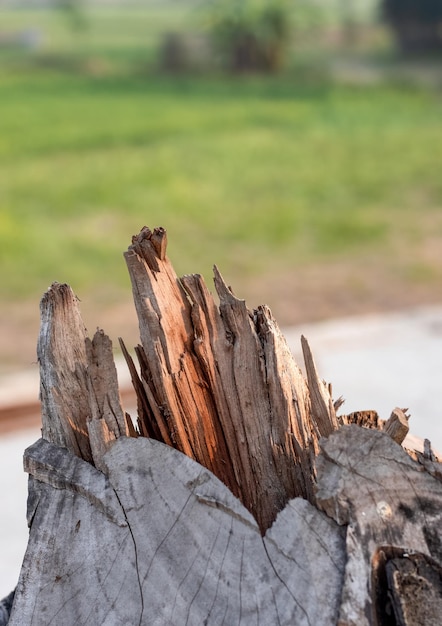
(344,289)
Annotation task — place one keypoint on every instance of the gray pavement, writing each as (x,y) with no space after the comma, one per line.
(376,362)
(383,361)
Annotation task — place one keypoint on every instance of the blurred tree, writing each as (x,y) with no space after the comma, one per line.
(416,23)
(173,53)
(346,10)
(250,35)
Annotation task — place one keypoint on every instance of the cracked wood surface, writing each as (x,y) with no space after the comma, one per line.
(209,529)
(161,541)
(158,539)
(391,508)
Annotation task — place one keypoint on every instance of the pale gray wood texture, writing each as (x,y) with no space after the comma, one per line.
(160,540)
(78,378)
(390,506)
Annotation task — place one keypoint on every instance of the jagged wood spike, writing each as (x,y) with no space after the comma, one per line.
(102,374)
(322,408)
(78,378)
(64,389)
(174,374)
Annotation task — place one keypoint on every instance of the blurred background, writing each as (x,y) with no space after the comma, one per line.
(297,144)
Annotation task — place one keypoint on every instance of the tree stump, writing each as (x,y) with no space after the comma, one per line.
(238,496)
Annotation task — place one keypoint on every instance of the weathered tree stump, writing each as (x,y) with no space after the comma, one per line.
(240,496)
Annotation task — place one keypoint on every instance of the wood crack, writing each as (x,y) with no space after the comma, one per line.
(137,567)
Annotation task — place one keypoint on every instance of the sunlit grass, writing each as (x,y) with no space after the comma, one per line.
(312,176)
(249,173)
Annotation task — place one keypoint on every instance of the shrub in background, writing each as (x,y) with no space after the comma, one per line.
(249,35)
(182,53)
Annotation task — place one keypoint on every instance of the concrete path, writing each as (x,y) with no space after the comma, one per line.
(375,362)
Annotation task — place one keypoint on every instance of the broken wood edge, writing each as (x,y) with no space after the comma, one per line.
(225,356)
(80,400)
(291,446)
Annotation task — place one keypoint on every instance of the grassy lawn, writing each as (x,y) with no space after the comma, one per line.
(253,174)
(237,172)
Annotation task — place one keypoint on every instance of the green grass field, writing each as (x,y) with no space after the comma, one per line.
(252,173)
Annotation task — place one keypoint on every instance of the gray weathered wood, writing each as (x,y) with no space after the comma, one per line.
(160,540)
(368,483)
(6,607)
(126,530)
(78,378)
(61,352)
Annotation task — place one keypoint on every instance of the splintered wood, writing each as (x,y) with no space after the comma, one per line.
(81,408)
(278,512)
(220,384)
